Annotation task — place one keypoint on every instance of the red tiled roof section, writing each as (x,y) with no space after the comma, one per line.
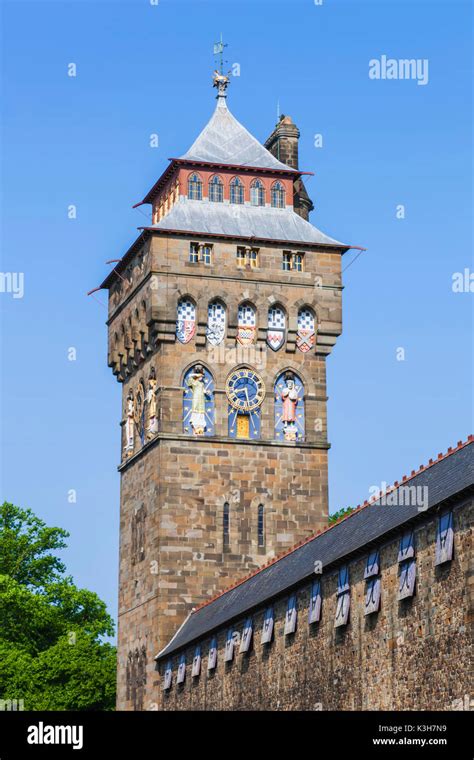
(405,478)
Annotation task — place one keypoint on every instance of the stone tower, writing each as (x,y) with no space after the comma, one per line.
(221,316)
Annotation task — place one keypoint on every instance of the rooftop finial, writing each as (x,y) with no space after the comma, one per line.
(219,79)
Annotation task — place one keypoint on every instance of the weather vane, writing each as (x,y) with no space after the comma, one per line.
(219,51)
(219,79)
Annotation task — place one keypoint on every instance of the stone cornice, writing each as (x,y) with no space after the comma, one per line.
(219,440)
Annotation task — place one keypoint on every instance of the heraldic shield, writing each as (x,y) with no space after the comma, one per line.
(276,328)
(215,323)
(306,336)
(246,325)
(186,321)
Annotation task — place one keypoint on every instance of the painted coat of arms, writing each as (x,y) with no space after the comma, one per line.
(215,323)
(186,321)
(276,328)
(246,325)
(306,335)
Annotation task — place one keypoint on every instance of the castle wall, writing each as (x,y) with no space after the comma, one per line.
(413,654)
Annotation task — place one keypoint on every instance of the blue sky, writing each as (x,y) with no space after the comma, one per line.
(145,69)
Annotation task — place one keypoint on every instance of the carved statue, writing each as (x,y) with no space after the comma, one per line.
(289,397)
(129,424)
(198,405)
(152,405)
(140,411)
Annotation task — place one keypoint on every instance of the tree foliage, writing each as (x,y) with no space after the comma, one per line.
(341,513)
(51,651)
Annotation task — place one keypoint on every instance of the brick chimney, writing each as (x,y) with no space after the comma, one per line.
(283,144)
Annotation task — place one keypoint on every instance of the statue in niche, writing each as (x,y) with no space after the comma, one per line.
(140,411)
(152,405)
(289,397)
(129,423)
(198,404)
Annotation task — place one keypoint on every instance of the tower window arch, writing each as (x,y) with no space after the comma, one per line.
(216,322)
(276,327)
(226,524)
(246,324)
(257,193)
(261,525)
(194,187)
(278,195)
(185,320)
(236,190)
(306,335)
(216,189)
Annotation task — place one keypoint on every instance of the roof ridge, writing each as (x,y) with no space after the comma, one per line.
(405,478)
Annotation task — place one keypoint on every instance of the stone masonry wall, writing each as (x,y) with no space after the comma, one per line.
(413,654)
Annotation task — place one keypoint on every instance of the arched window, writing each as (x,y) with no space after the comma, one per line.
(278,195)
(276,327)
(246,324)
(261,525)
(226,524)
(185,320)
(236,191)
(306,335)
(198,401)
(257,193)
(215,330)
(289,407)
(216,189)
(195,187)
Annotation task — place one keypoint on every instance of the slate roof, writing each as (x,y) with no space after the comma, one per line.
(445,478)
(242,221)
(224,140)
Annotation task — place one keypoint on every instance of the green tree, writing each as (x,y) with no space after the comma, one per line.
(52,655)
(341,513)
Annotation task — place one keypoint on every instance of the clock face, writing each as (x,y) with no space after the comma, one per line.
(245,390)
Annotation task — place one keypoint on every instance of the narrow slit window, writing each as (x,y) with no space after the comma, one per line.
(261,525)
(226,524)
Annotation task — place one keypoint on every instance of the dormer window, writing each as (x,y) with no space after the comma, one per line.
(195,187)
(278,195)
(236,191)
(257,193)
(216,189)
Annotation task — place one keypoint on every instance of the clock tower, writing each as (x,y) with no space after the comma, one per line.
(221,316)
